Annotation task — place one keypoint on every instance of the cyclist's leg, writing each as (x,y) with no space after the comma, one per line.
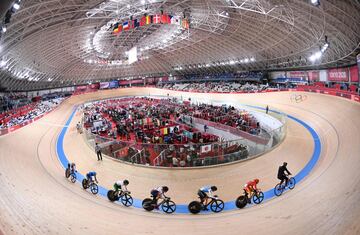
(286,181)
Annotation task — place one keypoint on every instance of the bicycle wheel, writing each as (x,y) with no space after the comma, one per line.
(258,197)
(168,207)
(85,183)
(147,204)
(278,190)
(194,207)
(67,172)
(217,205)
(291,183)
(126,200)
(241,202)
(73,178)
(111,195)
(94,188)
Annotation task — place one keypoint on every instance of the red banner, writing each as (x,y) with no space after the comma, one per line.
(338,75)
(354,74)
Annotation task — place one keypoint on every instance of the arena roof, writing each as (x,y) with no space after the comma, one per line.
(65,42)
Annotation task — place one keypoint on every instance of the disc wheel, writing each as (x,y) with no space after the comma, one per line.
(147,204)
(168,207)
(217,205)
(84,183)
(111,195)
(258,197)
(278,190)
(67,172)
(127,200)
(194,207)
(241,202)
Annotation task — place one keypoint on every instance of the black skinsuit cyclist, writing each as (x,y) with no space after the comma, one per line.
(281,174)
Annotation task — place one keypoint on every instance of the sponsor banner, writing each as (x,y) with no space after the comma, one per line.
(338,75)
(104,85)
(94,86)
(354,74)
(124,82)
(137,81)
(80,88)
(114,84)
(303,75)
(314,76)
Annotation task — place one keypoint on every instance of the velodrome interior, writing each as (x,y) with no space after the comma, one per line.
(36,198)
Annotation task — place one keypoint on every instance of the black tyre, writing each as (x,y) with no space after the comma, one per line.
(67,172)
(241,202)
(84,183)
(291,183)
(278,190)
(111,195)
(127,200)
(168,207)
(194,207)
(258,197)
(147,204)
(217,205)
(94,188)
(73,178)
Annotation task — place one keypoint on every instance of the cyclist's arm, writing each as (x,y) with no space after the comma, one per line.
(124,188)
(210,193)
(287,171)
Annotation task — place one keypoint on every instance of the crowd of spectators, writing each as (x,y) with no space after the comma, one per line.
(221,87)
(155,128)
(28,112)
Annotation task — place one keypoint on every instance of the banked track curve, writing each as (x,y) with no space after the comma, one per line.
(36,200)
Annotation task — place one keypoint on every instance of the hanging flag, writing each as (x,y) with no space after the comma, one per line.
(165,19)
(185,24)
(125,25)
(136,23)
(115,26)
(148,19)
(175,20)
(156,19)
(143,21)
(131,24)
(205,148)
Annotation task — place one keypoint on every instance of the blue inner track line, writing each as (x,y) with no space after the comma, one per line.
(183,209)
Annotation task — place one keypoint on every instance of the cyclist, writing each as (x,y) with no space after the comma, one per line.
(72,167)
(251,187)
(120,185)
(204,193)
(282,175)
(91,177)
(158,193)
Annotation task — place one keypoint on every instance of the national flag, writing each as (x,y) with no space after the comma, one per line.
(205,148)
(136,23)
(175,20)
(185,24)
(156,19)
(148,19)
(165,19)
(143,21)
(131,24)
(115,26)
(125,25)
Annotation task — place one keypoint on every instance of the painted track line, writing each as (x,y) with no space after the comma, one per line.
(182,208)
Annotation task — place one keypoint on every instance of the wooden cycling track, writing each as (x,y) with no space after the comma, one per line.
(35,197)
